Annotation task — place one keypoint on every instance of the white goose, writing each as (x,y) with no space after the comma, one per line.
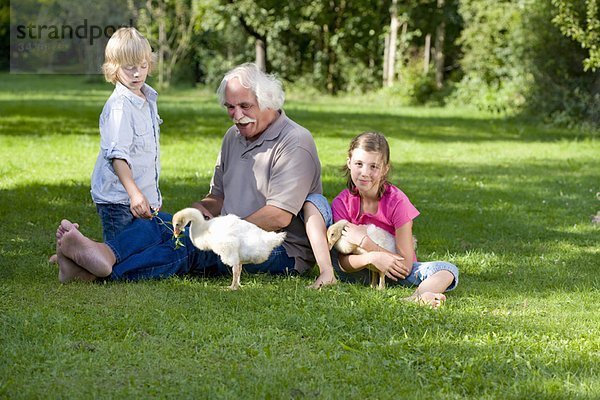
(235,240)
(381,237)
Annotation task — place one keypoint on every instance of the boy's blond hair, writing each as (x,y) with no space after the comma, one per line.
(127,46)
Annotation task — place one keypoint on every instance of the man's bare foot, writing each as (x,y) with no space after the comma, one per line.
(434,300)
(96,258)
(69,271)
(65,226)
(325,279)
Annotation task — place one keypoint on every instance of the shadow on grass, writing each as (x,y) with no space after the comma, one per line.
(31,214)
(203,117)
(505,224)
(68,117)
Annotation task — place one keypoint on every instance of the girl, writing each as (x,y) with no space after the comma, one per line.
(370,199)
(125,177)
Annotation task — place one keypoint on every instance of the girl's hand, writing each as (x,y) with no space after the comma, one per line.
(354,233)
(390,264)
(140,207)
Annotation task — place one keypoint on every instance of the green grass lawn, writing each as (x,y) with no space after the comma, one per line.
(509,201)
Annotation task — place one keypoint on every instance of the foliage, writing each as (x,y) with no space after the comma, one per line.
(509,64)
(562,90)
(336,44)
(492,42)
(585,30)
(496,52)
(169,27)
(508,201)
(4,34)
(415,87)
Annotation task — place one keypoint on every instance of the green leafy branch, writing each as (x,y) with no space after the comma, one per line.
(168,225)
(585,30)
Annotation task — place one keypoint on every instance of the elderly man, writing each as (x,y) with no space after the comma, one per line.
(267,172)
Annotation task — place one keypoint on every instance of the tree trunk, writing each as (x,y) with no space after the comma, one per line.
(440,36)
(261,54)
(386,55)
(329,55)
(427,54)
(391,66)
(162,44)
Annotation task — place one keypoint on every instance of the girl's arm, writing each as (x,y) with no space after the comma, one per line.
(384,261)
(396,266)
(139,205)
(404,244)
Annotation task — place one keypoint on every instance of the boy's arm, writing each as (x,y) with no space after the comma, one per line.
(139,205)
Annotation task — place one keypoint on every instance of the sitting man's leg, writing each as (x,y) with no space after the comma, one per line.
(277,263)
(84,259)
(80,257)
(317,216)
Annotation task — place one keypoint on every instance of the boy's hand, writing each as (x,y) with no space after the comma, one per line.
(140,207)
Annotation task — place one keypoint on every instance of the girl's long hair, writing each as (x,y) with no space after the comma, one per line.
(371,142)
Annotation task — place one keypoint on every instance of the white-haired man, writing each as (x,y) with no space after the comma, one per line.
(267,172)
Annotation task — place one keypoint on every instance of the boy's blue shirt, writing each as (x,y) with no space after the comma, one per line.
(129,130)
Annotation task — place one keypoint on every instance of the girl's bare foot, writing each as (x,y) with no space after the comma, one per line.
(96,258)
(434,300)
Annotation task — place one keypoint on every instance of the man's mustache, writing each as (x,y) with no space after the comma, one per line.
(243,120)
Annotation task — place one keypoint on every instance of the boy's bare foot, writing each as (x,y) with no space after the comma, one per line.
(434,300)
(96,258)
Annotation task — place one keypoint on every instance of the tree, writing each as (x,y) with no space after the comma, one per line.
(585,30)
(389,58)
(440,38)
(4,34)
(169,26)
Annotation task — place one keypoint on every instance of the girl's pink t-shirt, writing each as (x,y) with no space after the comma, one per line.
(395,209)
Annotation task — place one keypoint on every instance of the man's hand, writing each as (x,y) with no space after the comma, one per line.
(207,214)
(326,278)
